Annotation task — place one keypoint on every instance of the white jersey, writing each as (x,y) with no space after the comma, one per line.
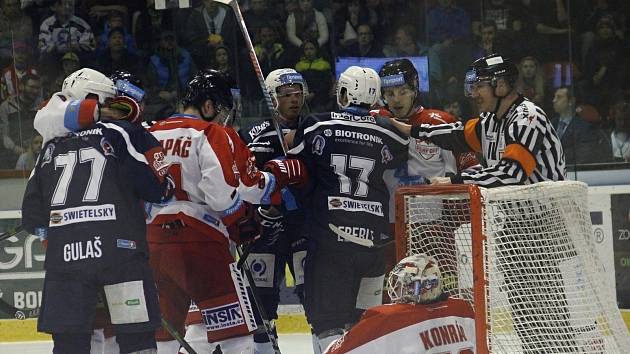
(62,115)
(445,327)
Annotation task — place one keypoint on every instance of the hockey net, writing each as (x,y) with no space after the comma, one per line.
(524,258)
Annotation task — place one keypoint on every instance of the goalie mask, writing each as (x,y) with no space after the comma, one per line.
(415,279)
(362,86)
(209,85)
(284,77)
(86,82)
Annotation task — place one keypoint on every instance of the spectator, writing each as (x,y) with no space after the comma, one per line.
(118,56)
(97,11)
(530,82)
(306,23)
(407,46)
(64,32)
(489,42)
(503,13)
(620,135)
(317,72)
(270,52)
(454,108)
(365,45)
(70,63)
(260,15)
(26,161)
(582,142)
(115,20)
(222,62)
(147,25)
(14,26)
(552,28)
(169,71)
(605,66)
(15,70)
(589,14)
(347,20)
(210,25)
(16,119)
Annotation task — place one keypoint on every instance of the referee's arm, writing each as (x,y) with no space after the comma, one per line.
(524,139)
(457,137)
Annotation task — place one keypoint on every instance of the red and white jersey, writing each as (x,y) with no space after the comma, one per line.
(445,327)
(208,190)
(62,115)
(426,160)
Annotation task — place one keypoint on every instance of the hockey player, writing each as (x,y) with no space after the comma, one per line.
(188,236)
(346,153)
(422,318)
(520,146)
(84,197)
(283,241)
(401,95)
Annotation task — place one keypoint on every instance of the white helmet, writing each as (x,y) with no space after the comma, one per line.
(415,279)
(282,77)
(362,86)
(83,82)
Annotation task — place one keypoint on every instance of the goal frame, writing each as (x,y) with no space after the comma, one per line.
(478,242)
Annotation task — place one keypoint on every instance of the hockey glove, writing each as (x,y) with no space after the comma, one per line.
(289,172)
(128,107)
(271,224)
(246,229)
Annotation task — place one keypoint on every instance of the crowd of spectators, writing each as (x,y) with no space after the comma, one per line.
(571,55)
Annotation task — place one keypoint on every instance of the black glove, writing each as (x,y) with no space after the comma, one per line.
(271,224)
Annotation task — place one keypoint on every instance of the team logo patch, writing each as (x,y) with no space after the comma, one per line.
(386,155)
(319,142)
(335,203)
(328,132)
(107,147)
(156,160)
(128,244)
(426,149)
(48,154)
(223,317)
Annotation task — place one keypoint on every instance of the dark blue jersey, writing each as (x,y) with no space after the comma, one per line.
(262,140)
(86,191)
(346,154)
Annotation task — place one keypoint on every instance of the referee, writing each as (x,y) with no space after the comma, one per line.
(517,141)
(519,146)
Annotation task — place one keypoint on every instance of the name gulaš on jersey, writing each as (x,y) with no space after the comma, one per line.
(79,250)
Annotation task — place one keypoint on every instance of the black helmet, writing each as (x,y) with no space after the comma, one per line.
(211,85)
(398,72)
(490,68)
(128,84)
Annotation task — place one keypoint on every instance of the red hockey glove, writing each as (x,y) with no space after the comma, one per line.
(129,108)
(288,172)
(246,229)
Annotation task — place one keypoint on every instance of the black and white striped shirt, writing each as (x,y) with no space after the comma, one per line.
(520,148)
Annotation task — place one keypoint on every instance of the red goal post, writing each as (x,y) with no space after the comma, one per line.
(524,259)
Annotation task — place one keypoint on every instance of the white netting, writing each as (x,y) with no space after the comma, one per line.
(546,289)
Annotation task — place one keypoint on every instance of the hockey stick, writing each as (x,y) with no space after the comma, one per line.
(173,332)
(8,234)
(252,285)
(261,80)
(17,313)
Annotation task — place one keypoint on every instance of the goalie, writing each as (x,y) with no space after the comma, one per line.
(420,308)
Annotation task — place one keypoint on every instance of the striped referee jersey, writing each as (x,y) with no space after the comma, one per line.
(520,148)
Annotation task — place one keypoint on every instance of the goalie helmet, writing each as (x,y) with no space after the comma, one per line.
(283,77)
(362,86)
(84,82)
(415,279)
(489,69)
(211,85)
(398,72)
